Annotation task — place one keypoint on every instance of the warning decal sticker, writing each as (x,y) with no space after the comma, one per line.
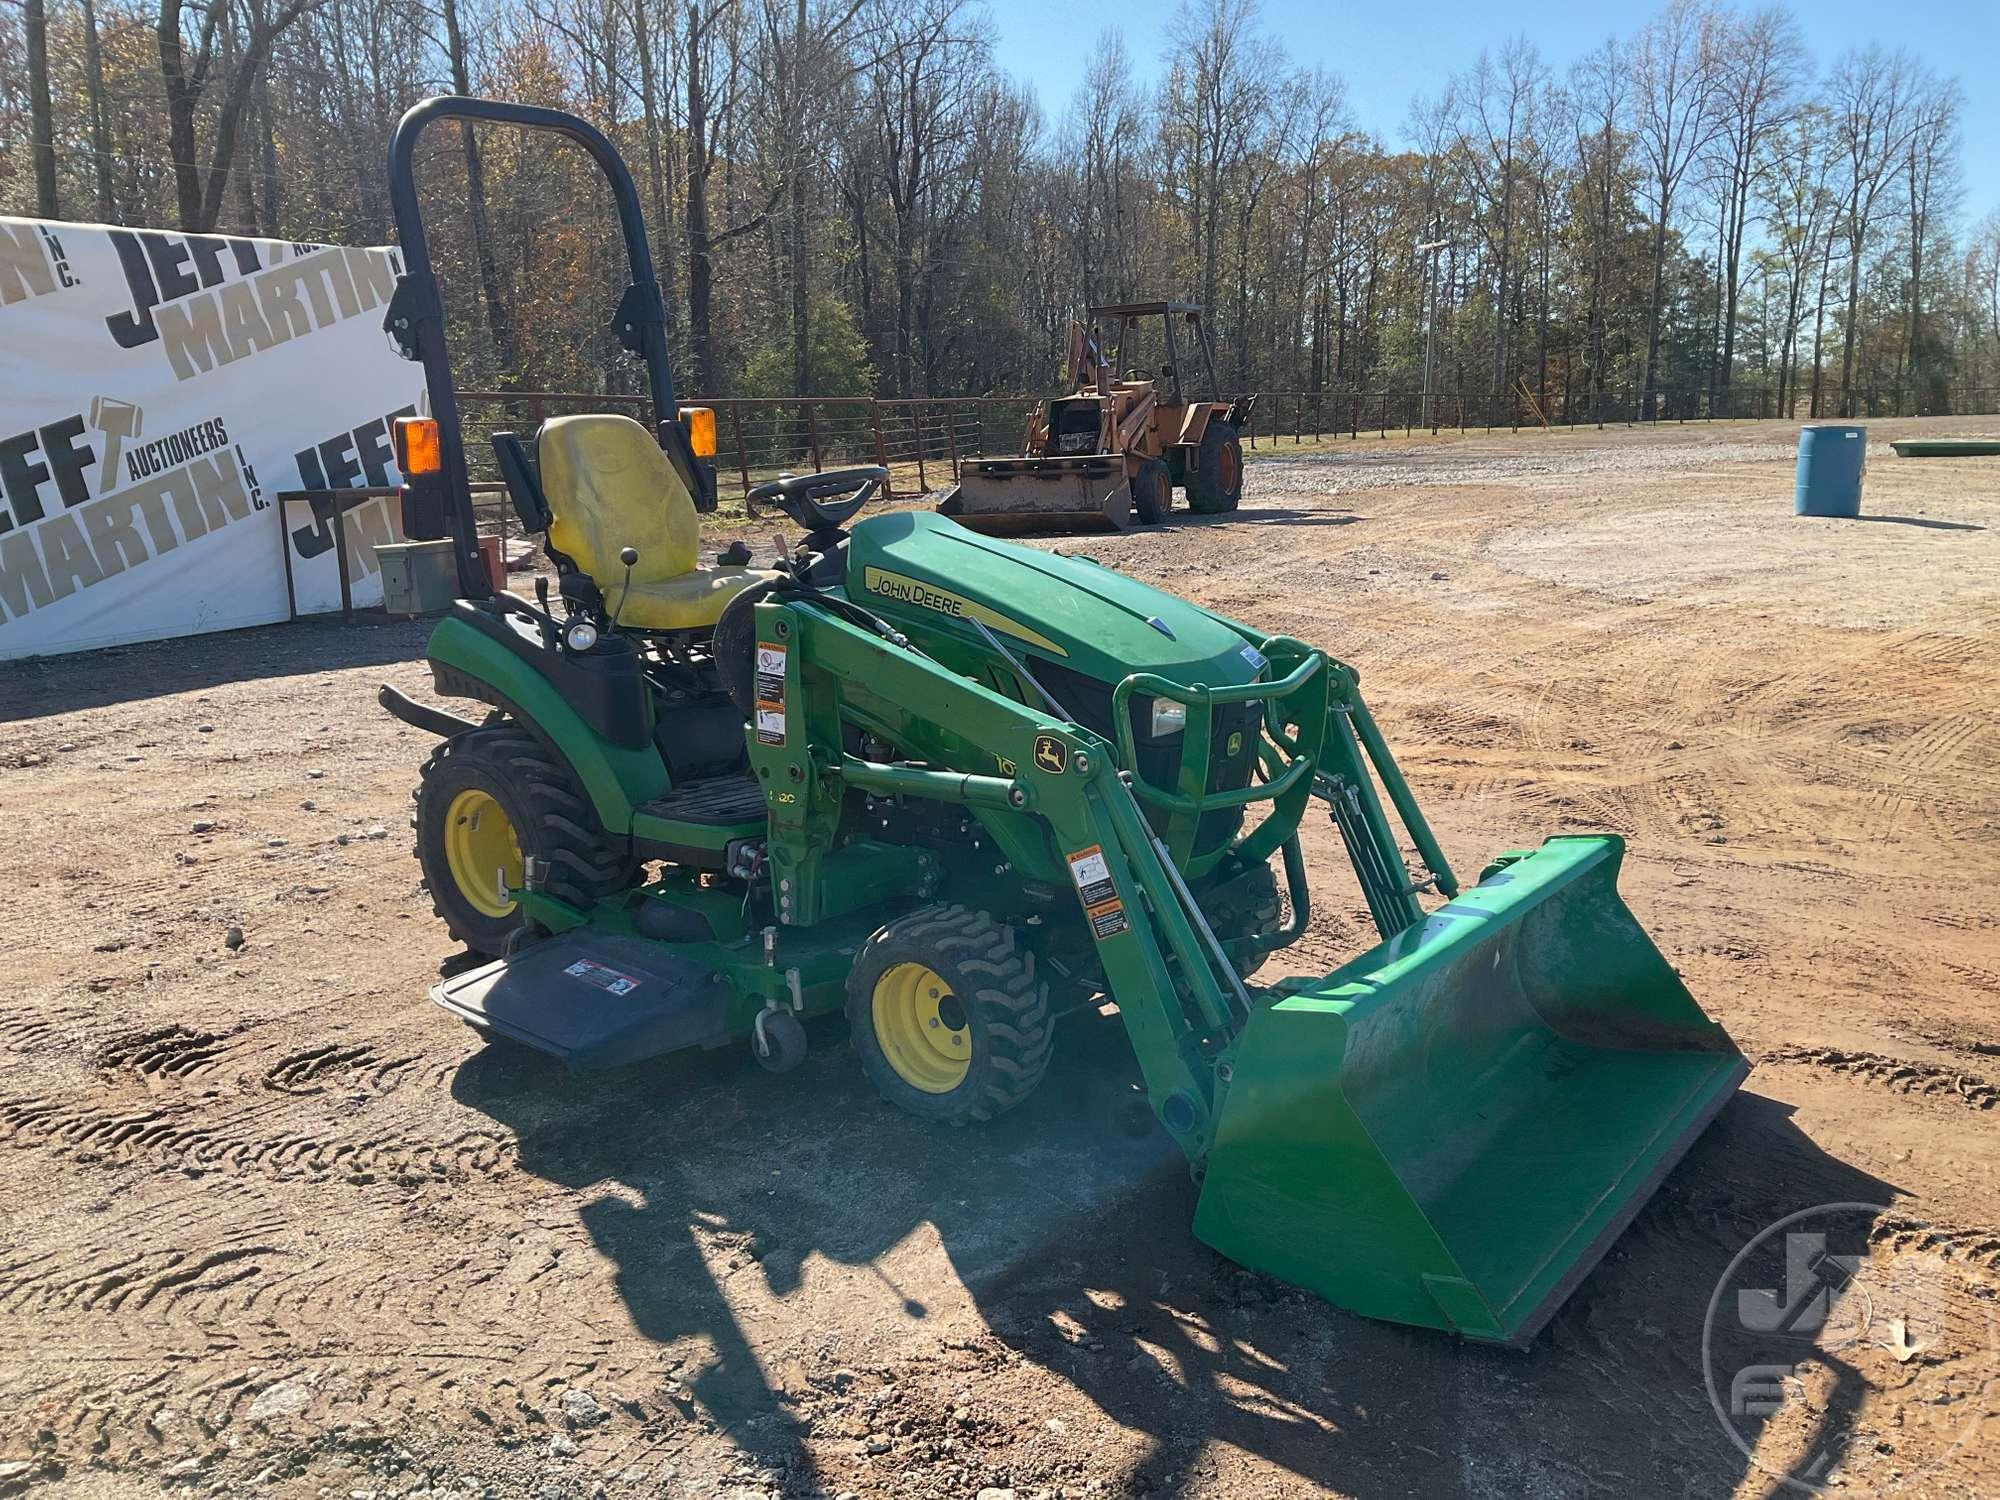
(598,977)
(770,694)
(1099,894)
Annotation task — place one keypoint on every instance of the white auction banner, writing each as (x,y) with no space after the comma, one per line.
(157,390)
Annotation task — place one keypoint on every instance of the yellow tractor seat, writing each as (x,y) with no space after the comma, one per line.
(609,487)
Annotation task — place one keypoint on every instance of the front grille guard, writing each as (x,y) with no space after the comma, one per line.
(1300,699)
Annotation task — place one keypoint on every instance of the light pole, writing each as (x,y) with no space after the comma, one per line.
(1431,248)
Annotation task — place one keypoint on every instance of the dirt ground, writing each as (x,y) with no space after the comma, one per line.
(270,1224)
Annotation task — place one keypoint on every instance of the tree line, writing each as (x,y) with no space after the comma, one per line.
(849,196)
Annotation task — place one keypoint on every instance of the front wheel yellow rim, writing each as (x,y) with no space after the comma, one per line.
(921,1027)
(482,852)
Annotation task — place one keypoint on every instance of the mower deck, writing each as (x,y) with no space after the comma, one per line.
(593,999)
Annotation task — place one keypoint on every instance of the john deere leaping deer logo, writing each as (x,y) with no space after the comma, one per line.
(1051,754)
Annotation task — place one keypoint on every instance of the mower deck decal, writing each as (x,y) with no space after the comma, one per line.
(597,976)
(906,590)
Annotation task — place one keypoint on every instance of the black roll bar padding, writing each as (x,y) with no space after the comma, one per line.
(415,317)
(523,487)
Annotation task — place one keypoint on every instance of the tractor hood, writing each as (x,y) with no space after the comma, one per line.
(927,573)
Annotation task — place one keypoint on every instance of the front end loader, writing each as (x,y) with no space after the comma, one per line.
(958,789)
(1112,451)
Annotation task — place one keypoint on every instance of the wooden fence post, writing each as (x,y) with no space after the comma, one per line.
(742,454)
(881,453)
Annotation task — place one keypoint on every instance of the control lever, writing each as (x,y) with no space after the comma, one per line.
(630,557)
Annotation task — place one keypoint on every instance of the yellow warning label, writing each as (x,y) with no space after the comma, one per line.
(1094,887)
(770,694)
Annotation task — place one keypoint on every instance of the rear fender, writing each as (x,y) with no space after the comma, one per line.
(1194,422)
(467,664)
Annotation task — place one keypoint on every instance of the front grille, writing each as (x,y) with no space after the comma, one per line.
(1160,760)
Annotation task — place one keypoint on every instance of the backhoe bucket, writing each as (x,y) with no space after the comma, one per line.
(1007,496)
(1453,1128)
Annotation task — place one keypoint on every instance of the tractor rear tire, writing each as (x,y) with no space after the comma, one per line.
(948,1015)
(1152,492)
(1215,483)
(485,799)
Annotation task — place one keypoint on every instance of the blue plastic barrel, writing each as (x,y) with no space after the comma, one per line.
(1832,457)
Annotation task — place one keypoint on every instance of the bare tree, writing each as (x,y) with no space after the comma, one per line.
(1873,98)
(1981,297)
(1759,60)
(1930,161)
(1099,133)
(41,112)
(100,133)
(1798,203)
(190,77)
(715,79)
(815,52)
(921,105)
(1212,97)
(1497,104)
(1600,91)
(1673,107)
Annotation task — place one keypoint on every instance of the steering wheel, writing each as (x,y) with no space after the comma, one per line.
(804,497)
(1135,373)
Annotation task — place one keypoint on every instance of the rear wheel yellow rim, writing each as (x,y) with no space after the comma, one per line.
(921,1028)
(482,852)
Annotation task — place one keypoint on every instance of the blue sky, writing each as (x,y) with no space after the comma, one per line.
(1386,59)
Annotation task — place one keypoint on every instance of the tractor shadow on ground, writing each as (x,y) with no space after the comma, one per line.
(39,686)
(1066,1225)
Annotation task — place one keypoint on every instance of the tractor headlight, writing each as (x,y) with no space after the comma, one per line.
(1169,717)
(581,635)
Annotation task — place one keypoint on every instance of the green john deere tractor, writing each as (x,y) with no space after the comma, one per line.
(959,788)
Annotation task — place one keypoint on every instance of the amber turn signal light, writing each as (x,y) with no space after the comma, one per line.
(417,446)
(700,422)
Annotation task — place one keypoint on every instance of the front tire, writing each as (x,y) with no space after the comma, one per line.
(948,1015)
(1216,482)
(1152,492)
(487,800)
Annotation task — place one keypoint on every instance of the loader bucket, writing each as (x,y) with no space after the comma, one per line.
(1008,496)
(1453,1128)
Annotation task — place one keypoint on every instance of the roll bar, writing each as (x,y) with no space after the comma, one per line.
(415,318)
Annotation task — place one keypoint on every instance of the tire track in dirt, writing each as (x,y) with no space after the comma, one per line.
(353,1067)
(1927,1080)
(186,1139)
(45,1029)
(163,1054)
